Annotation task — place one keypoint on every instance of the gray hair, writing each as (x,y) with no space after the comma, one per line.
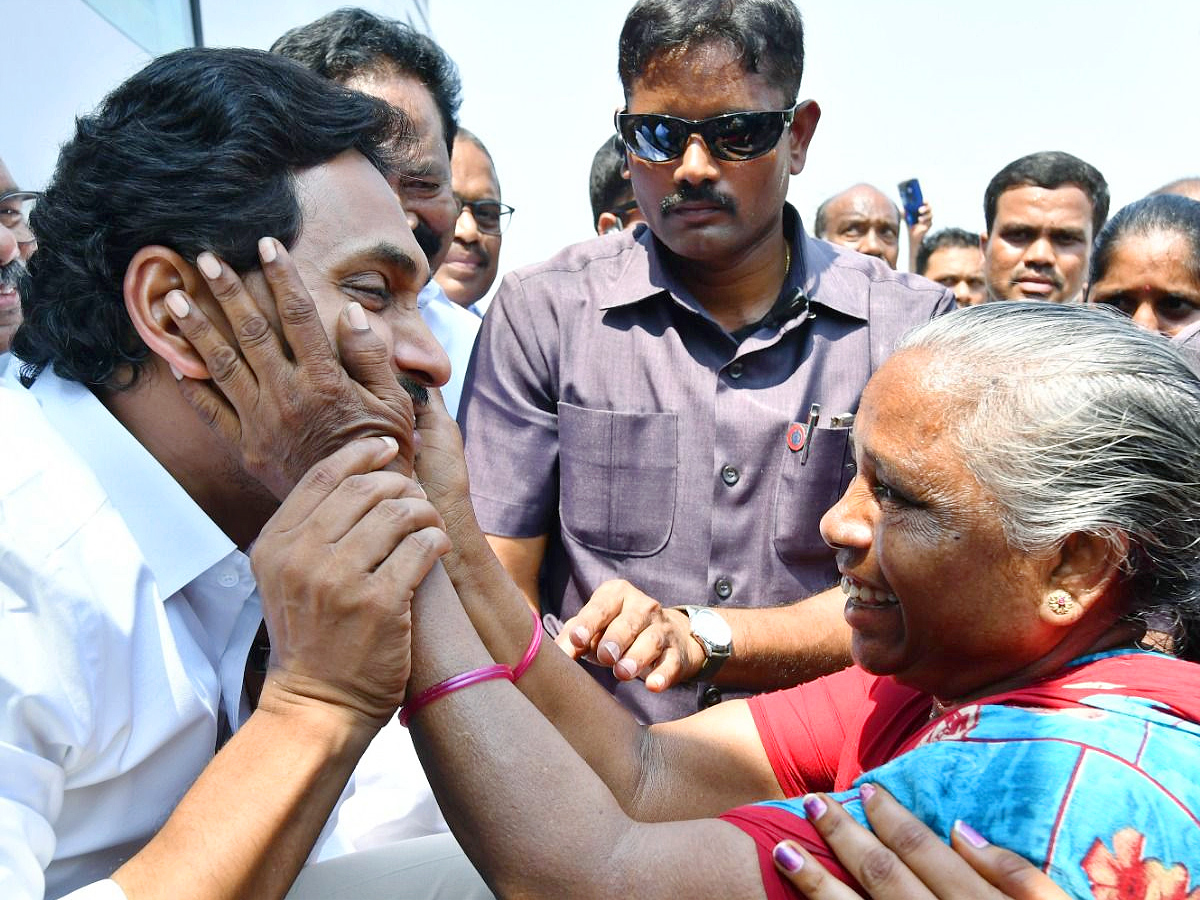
(1077,421)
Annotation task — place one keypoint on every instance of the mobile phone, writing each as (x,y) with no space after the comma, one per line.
(910,193)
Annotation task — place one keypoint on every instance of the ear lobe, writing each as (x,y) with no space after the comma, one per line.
(153,272)
(804,125)
(1083,579)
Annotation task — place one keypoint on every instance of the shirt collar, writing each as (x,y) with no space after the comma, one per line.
(827,280)
(178,540)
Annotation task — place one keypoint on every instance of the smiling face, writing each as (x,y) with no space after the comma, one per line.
(1039,244)
(1150,277)
(708,210)
(426,193)
(356,245)
(474,256)
(938,598)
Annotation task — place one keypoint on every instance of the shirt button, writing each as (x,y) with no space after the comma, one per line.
(735,370)
(711,696)
(227,579)
(730,475)
(723,587)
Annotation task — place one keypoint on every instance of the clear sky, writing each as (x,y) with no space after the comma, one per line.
(946,92)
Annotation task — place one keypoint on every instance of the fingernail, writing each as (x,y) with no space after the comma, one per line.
(970,835)
(626,669)
(655,682)
(580,636)
(177,304)
(390,443)
(611,648)
(266,249)
(814,807)
(866,792)
(357,317)
(209,265)
(788,857)
(174,371)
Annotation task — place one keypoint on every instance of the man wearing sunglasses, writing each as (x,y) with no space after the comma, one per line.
(671,406)
(16,246)
(470,266)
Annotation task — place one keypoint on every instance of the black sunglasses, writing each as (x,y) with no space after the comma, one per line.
(735,137)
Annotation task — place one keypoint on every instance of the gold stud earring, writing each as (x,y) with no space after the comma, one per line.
(1060,602)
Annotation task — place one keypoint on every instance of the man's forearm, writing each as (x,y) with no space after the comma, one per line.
(788,645)
(246,826)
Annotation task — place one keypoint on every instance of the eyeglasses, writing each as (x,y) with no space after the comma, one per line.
(491,216)
(734,137)
(15,207)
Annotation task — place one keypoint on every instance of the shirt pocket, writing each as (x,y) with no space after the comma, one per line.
(617,478)
(807,488)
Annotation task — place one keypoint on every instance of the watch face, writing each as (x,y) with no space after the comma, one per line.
(712,627)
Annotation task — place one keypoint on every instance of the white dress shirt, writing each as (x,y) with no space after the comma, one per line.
(456,329)
(125,619)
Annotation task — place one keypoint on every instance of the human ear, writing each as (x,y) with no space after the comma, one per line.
(607,222)
(804,124)
(1082,579)
(154,272)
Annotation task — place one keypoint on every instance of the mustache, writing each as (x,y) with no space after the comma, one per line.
(704,193)
(1020,274)
(428,240)
(416,390)
(13,274)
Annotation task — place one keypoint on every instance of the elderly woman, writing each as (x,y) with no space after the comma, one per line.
(1025,503)
(1146,263)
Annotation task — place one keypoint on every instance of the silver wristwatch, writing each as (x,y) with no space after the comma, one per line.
(714,635)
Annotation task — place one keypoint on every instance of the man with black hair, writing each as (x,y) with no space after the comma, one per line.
(613,205)
(153,745)
(391,60)
(952,257)
(637,403)
(1042,212)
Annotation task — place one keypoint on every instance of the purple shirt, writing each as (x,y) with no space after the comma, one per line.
(605,408)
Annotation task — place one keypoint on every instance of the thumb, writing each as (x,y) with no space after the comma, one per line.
(368,359)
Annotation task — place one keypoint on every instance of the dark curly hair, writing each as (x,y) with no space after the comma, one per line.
(195,152)
(349,43)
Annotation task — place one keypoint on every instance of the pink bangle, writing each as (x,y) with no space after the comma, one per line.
(450,685)
(531,651)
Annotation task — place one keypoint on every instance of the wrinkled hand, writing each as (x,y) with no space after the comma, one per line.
(285,400)
(904,860)
(441,466)
(336,568)
(633,633)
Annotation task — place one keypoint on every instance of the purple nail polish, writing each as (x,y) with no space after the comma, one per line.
(970,835)
(814,807)
(866,792)
(787,857)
